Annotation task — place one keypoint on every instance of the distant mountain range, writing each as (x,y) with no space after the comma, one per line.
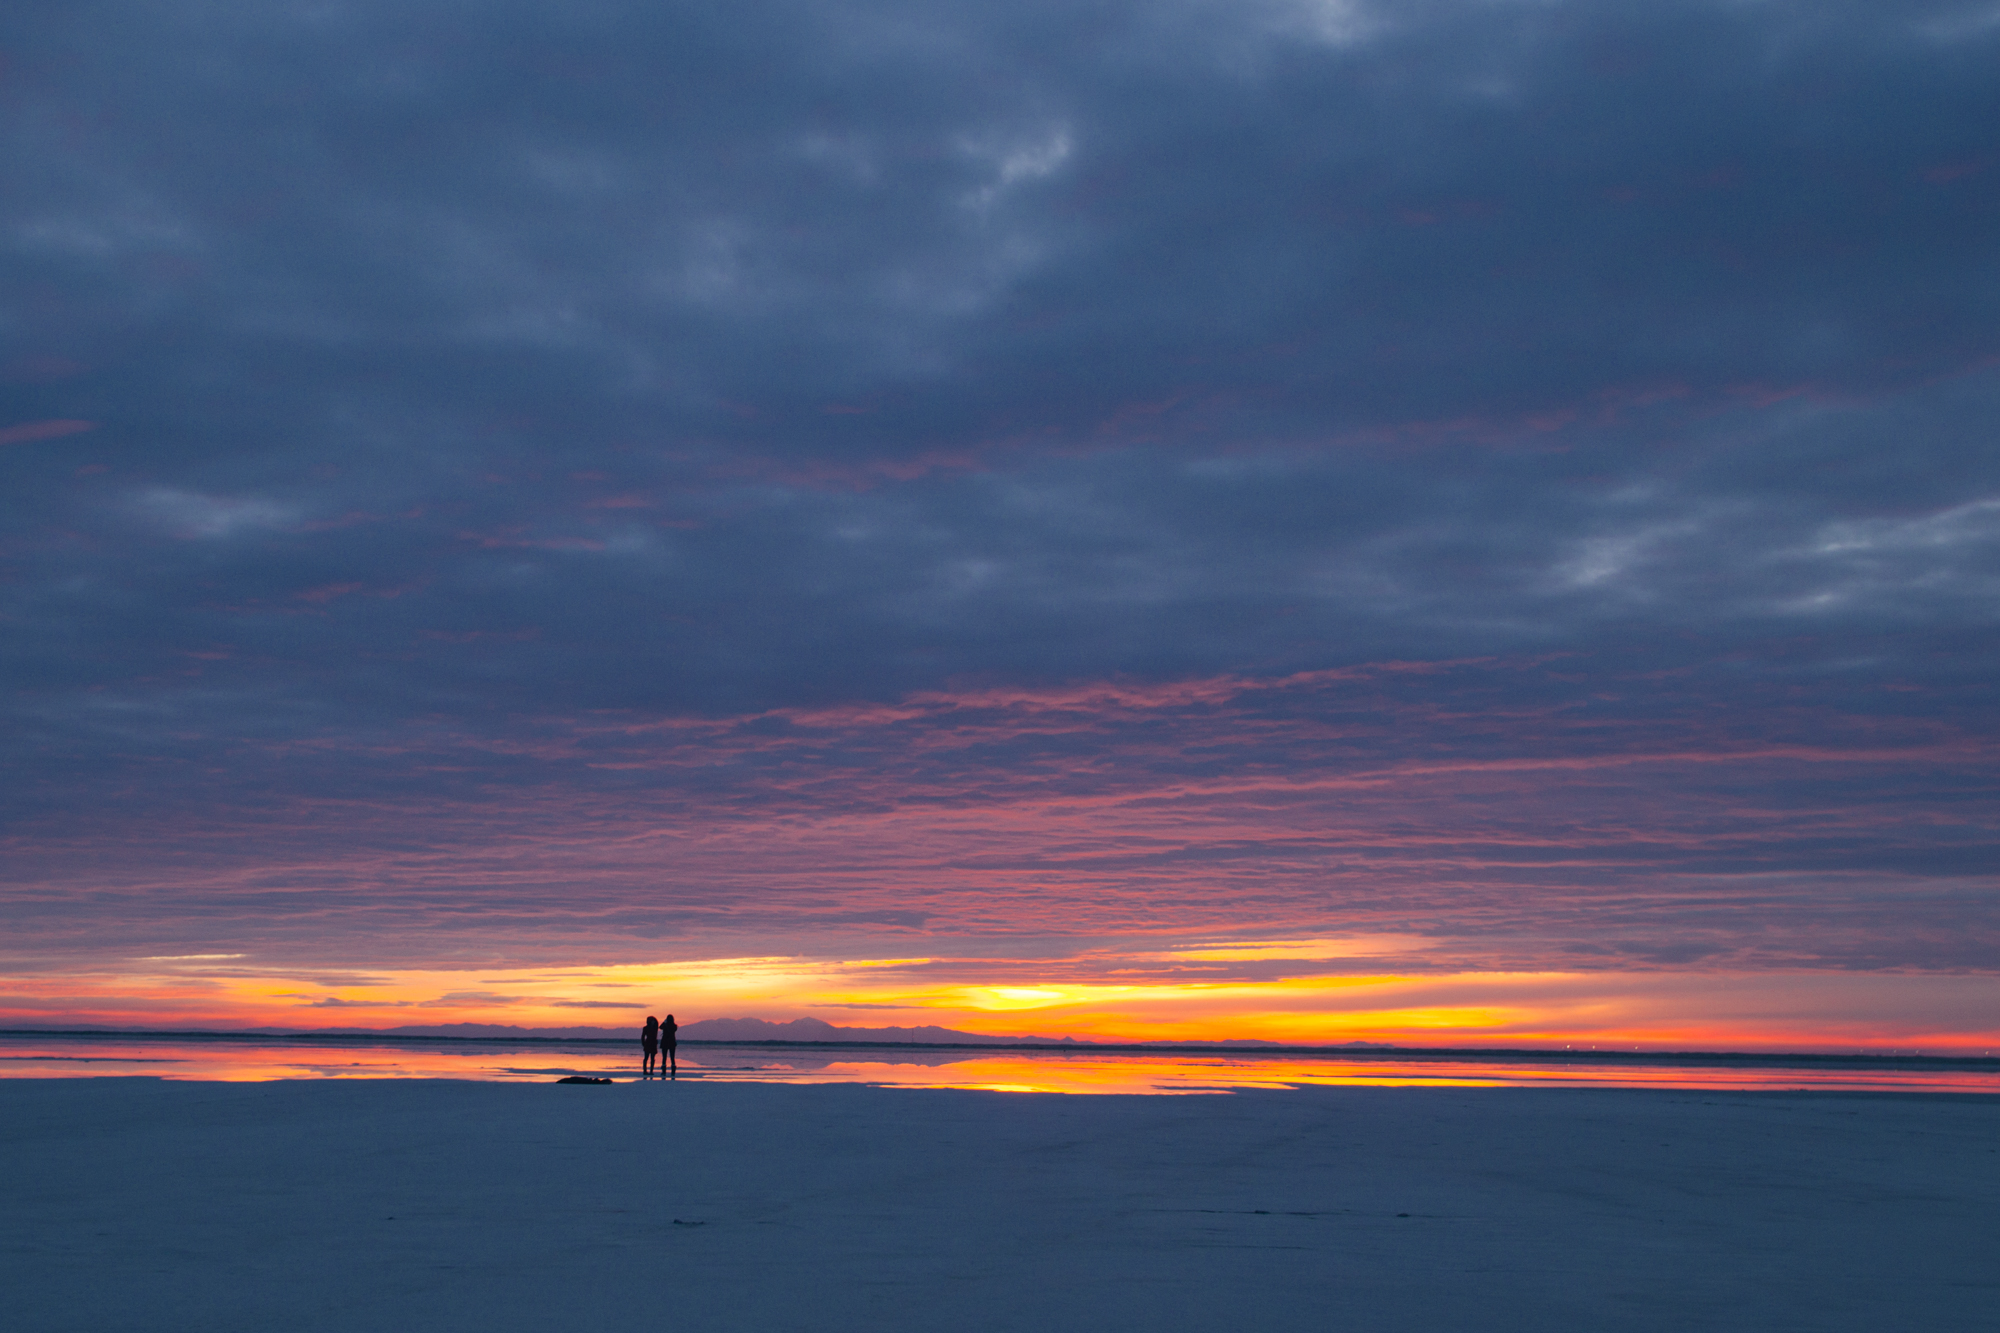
(798,1029)
(727,1029)
(711,1029)
(817,1029)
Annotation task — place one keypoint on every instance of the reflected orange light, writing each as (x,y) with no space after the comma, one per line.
(1065,1071)
(1161,1074)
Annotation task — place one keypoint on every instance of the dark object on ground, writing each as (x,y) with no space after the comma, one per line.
(579,1078)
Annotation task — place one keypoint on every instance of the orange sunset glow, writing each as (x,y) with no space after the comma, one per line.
(1655,1011)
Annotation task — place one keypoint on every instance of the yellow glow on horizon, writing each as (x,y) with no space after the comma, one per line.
(1136,1000)
(1021,997)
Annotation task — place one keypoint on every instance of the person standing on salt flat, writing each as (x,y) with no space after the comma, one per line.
(671,1065)
(649,1042)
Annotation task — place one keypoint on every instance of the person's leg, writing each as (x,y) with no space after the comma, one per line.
(673,1056)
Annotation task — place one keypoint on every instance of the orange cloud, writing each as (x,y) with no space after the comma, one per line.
(1137,999)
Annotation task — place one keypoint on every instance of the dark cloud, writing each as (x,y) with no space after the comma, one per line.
(412,409)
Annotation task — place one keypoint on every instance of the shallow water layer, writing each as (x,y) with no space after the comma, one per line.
(249,1059)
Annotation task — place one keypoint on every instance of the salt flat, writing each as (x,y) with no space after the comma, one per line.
(136,1204)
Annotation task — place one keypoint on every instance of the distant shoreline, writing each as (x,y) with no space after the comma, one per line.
(1747,1059)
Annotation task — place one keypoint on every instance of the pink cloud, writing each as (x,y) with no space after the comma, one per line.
(328,593)
(1946,172)
(43,430)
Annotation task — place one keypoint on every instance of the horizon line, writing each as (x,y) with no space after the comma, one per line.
(1235,1047)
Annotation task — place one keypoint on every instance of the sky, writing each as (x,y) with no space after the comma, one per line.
(1456,522)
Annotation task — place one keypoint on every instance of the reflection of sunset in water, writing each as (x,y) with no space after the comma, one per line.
(1196,1073)
(248,1062)
(1189,1073)
(1069,1071)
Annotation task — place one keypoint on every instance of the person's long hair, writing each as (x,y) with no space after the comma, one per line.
(653,1024)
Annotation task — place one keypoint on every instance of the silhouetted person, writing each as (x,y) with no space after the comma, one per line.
(649,1042)
(667,1044)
